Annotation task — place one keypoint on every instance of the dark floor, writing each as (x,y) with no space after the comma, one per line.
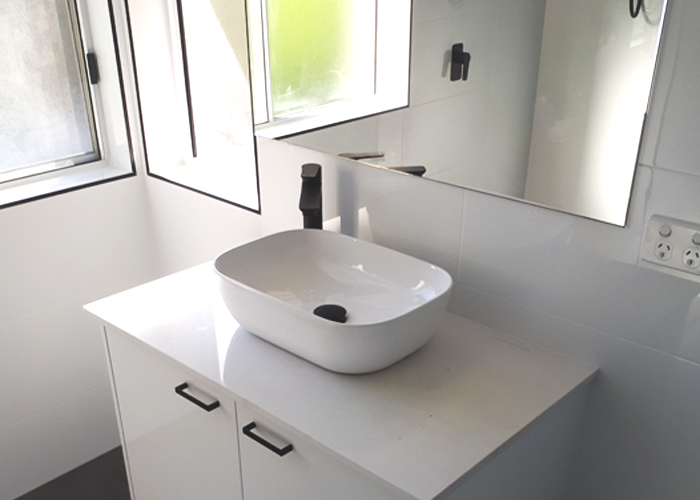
(103,478)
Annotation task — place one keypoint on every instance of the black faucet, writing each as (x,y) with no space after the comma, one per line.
(310,202)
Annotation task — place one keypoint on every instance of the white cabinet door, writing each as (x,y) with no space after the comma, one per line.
(271,471)
(175,449)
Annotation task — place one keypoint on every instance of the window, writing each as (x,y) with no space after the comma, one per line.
(320,62)
(54,113)
(47,119)
(191,58)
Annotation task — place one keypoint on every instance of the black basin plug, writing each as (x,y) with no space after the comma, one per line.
(332,312)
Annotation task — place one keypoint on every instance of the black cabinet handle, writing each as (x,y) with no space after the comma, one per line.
(180,389)
(248,431)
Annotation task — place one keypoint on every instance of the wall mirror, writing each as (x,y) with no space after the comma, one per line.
(550,110)
(191,61)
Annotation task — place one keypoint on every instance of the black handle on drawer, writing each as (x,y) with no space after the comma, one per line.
(248,431)
(180,389)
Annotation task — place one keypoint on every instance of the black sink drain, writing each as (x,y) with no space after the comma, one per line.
(332,312)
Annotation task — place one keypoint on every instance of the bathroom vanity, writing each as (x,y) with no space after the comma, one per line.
(209,411)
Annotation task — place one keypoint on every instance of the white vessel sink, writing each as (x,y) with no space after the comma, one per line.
(394,302)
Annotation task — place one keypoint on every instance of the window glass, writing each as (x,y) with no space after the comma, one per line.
(45,115)
(320,51)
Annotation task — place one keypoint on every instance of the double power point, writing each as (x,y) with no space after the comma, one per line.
(672,243)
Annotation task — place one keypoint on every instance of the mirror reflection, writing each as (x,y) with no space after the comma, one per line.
(551,110)
(320,62)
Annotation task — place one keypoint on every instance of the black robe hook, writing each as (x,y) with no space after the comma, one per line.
(636,9)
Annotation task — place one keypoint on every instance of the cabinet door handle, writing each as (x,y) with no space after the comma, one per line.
(180,389)
(248,431)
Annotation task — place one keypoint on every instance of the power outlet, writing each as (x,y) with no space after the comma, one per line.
(672,243)
(691,257)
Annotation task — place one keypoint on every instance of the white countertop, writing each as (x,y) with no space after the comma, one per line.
(422,425)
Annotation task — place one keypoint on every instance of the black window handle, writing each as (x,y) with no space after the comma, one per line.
(180,389)
(248,431)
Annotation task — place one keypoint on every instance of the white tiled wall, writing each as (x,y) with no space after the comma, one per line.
(57,254)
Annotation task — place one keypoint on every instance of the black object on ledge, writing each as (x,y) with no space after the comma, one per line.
(417,170)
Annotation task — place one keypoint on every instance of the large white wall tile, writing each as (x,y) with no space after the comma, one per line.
(92,241)
(675,195)
(37,449)
(640,432)
(580,270)
(410,215)
(57,254)
(48,357)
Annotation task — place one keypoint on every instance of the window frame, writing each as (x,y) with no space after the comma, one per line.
(392,66)
(101,28)
(217,178)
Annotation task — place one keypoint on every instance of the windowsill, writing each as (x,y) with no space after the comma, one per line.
(230,180)
(59,181)
(332,114)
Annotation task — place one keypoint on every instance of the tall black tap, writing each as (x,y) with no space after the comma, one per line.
(311,200)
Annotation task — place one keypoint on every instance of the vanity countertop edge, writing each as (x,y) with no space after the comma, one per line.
(421,427)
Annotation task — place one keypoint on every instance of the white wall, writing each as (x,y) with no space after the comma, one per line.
(57,254)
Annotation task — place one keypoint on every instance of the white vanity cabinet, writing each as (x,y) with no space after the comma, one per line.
(278,464)
(474,414)
(184,446)
(175,449)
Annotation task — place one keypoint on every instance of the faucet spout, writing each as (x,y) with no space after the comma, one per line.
(311,200)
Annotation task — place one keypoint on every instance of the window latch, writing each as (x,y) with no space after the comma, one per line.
(93,68)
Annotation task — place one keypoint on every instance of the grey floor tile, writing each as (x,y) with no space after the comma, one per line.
(103,478)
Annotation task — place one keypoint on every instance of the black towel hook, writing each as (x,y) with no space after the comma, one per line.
(636,9)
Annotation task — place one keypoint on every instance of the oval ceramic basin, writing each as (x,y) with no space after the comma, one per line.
(394,302)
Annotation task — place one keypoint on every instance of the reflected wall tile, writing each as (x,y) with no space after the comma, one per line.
(431,45)
(428,10)
(442,134)
(351,137)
